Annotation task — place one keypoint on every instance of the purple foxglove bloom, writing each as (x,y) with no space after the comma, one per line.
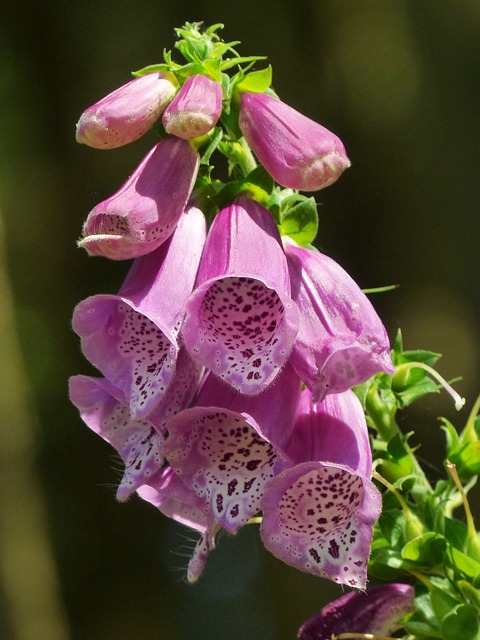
(127,113)
(195,109)
(143,213)
(241,322)
(132,337)
(226,452)
(375,611)
(296,151)
(139,443)
(319,513)
(341,341)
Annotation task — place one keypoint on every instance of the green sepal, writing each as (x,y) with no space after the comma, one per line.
(256,81)
(261,178)
(298,219)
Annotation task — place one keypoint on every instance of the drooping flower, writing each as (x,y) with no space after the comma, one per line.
(143,213)
(127,113)
(132,337)
(318,513)
(341,340)
(241,321)
(296,151)
(375,611)
(227,447)
(195,109)
(139,442)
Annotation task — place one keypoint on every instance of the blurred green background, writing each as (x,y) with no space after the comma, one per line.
(399,82)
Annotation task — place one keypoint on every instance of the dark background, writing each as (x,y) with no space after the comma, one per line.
(399,82)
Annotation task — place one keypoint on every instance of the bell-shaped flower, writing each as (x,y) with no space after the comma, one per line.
(241,321)
(296,151)
(227,447)
(132,337)
(195,109)
(377,611)
(341,340)
(318,513)
(105,412)
(127,113)
(143,213)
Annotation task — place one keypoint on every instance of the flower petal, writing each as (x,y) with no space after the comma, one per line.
(220,455)
(318,518)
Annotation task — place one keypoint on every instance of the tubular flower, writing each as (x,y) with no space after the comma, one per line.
(105,412)
(375,611)
(195,109)
(341,340)
(297,152)
(318,514)
(132,337)
(241,322)
(143,213)
(127,113)
(227,452)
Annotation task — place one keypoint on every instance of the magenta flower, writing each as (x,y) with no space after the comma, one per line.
(318,513)
(127,113)
(375,611)
(341,340)
(241,321)
(132,337)
(296,151)
(143,213)
(195,109)
(226,448)
(139,443)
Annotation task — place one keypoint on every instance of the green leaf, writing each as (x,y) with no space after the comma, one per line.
(299,221)
(423,622)
(462,623)
(392,525)
(463,563)
(427,550)
(261,178)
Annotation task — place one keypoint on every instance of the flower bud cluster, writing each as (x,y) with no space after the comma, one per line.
(205,349)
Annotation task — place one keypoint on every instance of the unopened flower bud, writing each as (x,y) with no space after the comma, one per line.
(297,152)
(127,113)
(195,109)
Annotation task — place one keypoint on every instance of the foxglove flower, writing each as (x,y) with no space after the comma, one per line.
(297,152)
(375,611)
(241,321)
(127,113)
(132,337)
(319,512)
(105,412)
(341,340)
(226,448)
(143,213)
(195,109)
